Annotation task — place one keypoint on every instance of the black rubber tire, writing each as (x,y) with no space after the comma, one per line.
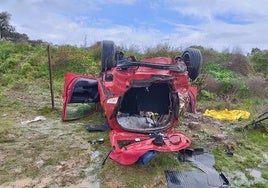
(107,55)
(193,59)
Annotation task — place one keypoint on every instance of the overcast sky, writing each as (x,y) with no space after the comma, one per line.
(218,24)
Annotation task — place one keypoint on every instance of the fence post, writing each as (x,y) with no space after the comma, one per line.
(50,78)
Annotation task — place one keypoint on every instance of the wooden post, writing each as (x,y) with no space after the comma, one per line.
(50,77)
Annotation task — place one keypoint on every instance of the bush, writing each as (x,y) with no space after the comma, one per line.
(77,60)
(212,84)
(95,51)
(242,90)
(238,64)
(218,71)
(210,55)
(258,86)
(6,49)
(161,50)
(259,62)
(26,68)
(227,87)
(10,64)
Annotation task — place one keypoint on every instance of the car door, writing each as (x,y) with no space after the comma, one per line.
(80,96)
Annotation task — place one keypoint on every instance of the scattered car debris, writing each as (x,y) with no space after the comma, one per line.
(95,154)
(259,120)
(257,123)
(228,152)
(103,127)
(38,118)
(147,157)
(98,141)
(204,176)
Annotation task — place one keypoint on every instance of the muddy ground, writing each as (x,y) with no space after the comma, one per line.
(44,154)
(37,149)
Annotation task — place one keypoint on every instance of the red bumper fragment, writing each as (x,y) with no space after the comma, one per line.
(129,147)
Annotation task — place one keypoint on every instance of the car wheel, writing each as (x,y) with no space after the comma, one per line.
(193,60)
(107,55)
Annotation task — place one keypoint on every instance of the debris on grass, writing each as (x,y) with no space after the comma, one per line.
(38,118)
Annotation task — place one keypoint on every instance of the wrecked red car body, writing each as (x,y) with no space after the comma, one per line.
(142,100)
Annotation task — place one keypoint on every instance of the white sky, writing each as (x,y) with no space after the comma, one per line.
(218,24)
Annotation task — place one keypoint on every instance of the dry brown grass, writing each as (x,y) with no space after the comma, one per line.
(212,84)
(258,86)
(239,64)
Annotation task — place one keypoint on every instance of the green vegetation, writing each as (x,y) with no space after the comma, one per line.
(218,71)
(232,81)
(259,62)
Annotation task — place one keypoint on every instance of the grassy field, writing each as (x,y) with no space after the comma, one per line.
(53,153)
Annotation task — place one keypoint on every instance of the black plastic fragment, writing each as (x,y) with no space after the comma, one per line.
(158,141)
(228,152)
(98,141)
(103,127)
(204,176)
(192,179)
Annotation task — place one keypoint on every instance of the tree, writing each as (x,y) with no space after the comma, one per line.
(255,50)
(17,37)
(5,27)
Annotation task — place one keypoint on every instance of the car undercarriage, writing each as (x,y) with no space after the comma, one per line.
(141,99)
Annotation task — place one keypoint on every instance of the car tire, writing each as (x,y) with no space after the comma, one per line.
(193,59)
(107,55)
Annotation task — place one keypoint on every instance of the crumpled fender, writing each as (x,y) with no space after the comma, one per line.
(141,143)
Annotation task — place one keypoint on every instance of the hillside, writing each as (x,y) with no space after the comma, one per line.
(49,152)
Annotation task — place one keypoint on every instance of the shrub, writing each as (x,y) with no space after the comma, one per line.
(212,84)
(218,71)
(6,49)
(258,86)
(95,51)
(242,90)
(227,87)
(238,64)
(26,68)
(9,64)
(161,50)
(259,62)
(210,55)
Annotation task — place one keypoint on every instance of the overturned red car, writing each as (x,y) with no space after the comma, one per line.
(142,100)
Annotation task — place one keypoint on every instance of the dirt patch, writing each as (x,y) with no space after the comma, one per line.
(205,131)
(37,149)
(45,153)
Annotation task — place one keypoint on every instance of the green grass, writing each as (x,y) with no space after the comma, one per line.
(141,175)
(248,154)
